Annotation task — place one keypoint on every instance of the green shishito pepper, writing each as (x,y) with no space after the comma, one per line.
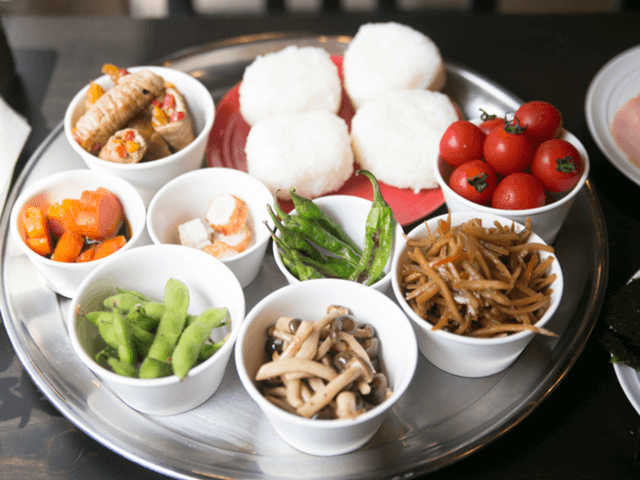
(310,226)
(308,209)
(379,236)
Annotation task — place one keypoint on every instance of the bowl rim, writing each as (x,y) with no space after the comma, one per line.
(200,175)
(464,339)
(208,109)
(110,376)
(45,183)
(564,135)
(331,199)
(411,355)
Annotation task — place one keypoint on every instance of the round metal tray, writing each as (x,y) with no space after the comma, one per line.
(441,419)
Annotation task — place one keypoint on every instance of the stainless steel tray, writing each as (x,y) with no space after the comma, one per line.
(441,419)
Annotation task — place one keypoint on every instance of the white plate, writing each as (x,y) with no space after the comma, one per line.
(617,82)
(628,377)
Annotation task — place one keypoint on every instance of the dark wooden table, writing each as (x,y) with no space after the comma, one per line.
(586,429)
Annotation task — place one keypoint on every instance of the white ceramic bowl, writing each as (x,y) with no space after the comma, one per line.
(351,214)
(65,278)
(462,355)
(147,270)
(546,221)
(187,197)
(148,177)
(309,300)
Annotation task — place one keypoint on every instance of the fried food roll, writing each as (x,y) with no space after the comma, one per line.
(124,146)
(111,112)
(157,147)
(171,119)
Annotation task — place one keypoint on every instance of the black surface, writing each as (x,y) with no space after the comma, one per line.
(586,429)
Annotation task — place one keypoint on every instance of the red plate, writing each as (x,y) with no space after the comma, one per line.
(228,137)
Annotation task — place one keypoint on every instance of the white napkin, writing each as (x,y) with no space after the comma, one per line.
(14,131)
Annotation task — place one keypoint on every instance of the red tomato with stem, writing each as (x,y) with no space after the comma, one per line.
(542,120)
(461,142)
(475,181)
(508,149)
(518,191)
(489,122)
(557,164)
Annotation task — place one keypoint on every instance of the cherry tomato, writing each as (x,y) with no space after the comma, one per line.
(518,191)
(462,142)
(489,122)
(543,120)
(475,181)
(557,164)
(507,149)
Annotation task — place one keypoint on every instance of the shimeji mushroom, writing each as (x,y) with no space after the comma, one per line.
(356,368)
(346,405)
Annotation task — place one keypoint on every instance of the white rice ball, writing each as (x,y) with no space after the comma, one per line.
(397,136)
(308,151)
(390,56)
(295,79)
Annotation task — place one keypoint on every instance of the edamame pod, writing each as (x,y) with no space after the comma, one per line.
(192,339)
(124,337)
(209,349)
(152,368)
(176,303)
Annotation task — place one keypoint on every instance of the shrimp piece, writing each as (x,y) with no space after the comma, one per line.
(238,241)
(227,214)
(220,250)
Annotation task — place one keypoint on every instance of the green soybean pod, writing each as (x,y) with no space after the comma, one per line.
(192,339)
(141,296)
(209,349)
(122,368)
(155,310)
(176,303)
(137,317)
(104,322)
(152,368)
(124,337)
(122,301)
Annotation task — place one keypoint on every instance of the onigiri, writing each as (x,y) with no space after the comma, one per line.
(397,136)
(294,79)
(390,56)
(308,151)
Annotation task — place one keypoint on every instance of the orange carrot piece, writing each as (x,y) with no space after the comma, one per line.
(40,245)
(94,93)
(68,248)
(100,215)
(35,223)
(108,247)
(87,255)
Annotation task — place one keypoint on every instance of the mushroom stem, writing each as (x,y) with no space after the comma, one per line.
(356,368)
(295,365)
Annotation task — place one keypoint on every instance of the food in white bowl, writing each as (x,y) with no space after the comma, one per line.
(171,147)
(85,218)
(390,56)
(237,215)
(519,188)
(396,136)
(625,129)
(147,271)
(477,288)
(294,79)
(309,301)
(337,236)
(309,151)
